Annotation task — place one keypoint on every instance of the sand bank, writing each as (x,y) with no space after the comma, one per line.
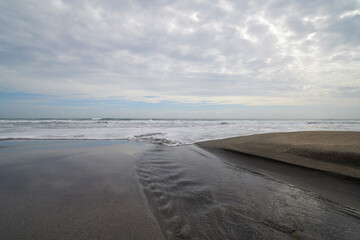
(336,152)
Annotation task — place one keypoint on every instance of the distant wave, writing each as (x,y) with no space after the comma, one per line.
(57,138)
(169,132)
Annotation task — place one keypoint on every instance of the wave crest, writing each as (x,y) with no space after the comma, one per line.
(155,138)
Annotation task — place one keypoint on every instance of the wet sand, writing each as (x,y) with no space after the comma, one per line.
(336,152)
(72,190)
(333,187)
(195,194)
(123,190)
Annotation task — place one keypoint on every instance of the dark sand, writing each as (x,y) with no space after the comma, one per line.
(72,190)
(195,194)
(336,152)
(123,190)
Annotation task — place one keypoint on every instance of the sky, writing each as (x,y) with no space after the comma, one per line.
(180,59)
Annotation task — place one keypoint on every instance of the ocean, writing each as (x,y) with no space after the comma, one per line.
(170,132)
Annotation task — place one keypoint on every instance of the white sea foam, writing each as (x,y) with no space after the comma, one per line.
(167,132)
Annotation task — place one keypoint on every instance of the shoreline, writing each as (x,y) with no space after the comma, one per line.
(127,190)
(336,152)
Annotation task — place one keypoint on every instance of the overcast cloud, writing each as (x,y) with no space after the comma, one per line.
(256,53)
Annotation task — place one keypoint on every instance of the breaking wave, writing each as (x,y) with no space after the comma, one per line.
(155,138)
(158,131)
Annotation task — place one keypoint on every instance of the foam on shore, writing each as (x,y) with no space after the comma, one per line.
(331,151)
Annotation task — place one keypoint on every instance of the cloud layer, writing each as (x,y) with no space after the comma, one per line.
(256,53)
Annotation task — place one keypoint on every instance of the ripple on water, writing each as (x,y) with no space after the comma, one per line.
(195,195)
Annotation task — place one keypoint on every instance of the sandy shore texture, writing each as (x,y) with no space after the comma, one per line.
(73,190)
(97,189)
(332,151)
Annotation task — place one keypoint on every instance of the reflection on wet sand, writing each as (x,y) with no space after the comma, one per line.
(72,190)
(196,195)
(95,190)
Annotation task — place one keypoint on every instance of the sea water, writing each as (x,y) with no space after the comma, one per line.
(170,132)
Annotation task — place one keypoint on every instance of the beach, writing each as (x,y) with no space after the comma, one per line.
(72,190)
(332,151)
(111,189)
(179,120)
